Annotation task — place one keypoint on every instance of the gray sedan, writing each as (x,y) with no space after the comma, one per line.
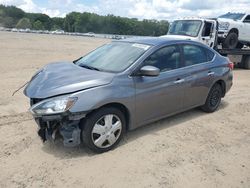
(123,85)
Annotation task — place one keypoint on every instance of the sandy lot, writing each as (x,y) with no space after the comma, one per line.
(192,149)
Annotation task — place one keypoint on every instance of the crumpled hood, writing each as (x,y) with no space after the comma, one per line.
(62,78)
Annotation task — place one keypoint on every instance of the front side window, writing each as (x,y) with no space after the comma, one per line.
(194,55)
(166,58)
(185,27)
(207,29)
(113,57)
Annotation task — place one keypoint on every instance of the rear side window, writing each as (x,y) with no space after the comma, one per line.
(194,55)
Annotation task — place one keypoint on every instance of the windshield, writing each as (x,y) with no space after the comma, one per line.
(113,57)
(233,16)
(185,27)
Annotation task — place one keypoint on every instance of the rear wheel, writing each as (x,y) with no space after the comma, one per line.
(103,129)
(213,99)
(231,41)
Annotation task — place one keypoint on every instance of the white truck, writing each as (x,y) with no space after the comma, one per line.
(234,30)
(207,31)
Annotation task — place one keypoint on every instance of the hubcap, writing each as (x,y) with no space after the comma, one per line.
(106,131)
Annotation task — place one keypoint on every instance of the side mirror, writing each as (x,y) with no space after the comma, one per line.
(149,71)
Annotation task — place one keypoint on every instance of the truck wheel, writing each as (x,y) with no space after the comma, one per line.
(103,129)
(231,41)
(247,62)
(239,45)
(213,99)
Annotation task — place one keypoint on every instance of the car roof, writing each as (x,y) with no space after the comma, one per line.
(157,41)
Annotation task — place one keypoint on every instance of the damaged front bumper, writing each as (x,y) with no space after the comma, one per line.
(66,126)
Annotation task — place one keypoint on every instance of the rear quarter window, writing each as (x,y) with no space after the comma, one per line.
(210,54)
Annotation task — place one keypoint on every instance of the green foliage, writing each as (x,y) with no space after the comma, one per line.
(44,19)
(38,25)
(57,23)
(24,23)
(11,16)
(7,22)
(12,11)
(89,22)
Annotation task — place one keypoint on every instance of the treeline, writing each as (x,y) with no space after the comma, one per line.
(13,17)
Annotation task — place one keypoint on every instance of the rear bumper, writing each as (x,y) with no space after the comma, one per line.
(65,126)
(229,81)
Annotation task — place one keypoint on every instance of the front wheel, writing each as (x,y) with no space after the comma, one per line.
(213,99)
(103,129)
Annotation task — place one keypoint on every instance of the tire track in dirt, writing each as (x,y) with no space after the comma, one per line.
(15,118)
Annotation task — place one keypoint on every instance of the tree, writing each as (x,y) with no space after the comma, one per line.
(57,23)
(70,19)
(15,13)
(37,25)
(8,22)
(24,23)
(11,16)
(43,18)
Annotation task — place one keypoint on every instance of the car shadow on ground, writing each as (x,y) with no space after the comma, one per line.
(168,122)
(60,151)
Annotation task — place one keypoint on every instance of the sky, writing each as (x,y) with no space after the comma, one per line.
(141,9)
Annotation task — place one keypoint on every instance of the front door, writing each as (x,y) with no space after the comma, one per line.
(209,33)
(162,95)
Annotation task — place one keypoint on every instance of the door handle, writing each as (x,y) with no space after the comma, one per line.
(210,73)
(179,81)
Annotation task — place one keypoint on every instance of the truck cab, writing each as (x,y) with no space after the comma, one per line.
(197,29)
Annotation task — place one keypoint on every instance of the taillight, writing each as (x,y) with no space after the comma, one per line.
(230,64)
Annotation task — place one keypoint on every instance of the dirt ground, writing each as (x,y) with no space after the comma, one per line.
(192,149)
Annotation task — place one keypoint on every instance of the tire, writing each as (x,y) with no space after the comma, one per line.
(231,41)
(101,131)
(213,99)
(239,45)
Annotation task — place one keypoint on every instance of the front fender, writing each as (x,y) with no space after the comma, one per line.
(97,97)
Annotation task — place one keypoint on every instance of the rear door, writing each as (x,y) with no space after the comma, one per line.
(162,95)
(198,64)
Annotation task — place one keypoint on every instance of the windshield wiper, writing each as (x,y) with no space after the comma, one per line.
(89,67)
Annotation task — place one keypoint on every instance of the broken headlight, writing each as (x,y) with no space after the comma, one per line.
(53,105)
